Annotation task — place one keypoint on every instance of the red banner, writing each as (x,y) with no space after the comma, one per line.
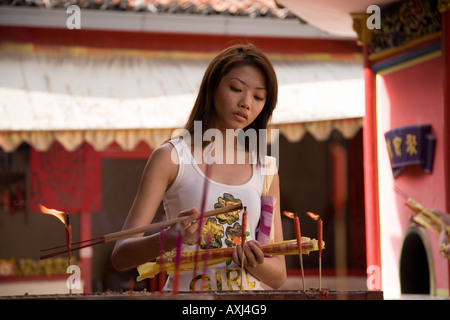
(66,181)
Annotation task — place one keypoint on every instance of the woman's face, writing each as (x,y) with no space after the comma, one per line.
(239,98)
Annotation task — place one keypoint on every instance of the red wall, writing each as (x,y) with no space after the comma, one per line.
(411,94)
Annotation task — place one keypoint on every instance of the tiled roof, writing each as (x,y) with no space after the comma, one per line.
(249,8)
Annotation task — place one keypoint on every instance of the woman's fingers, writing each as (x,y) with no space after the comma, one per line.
(192,219)
(191,216)
(237,254)
(253,254)
(189,225)
(257,251)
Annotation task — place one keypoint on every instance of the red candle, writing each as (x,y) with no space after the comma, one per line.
(298,235)
(319,235)
(244,226)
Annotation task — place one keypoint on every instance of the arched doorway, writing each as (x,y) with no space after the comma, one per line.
(416,268)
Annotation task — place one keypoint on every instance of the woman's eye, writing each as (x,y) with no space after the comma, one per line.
(235,89)
(259,98)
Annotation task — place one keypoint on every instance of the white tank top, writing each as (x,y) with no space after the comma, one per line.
(186,193)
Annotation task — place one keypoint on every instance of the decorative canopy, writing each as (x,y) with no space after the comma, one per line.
(76,94)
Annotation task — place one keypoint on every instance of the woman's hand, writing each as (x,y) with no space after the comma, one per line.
(253,254)
(444,243)
(189,226)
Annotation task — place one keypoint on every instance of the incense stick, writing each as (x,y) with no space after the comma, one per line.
(131,232)
(179,243)
(202,216)
(243,232)
(209,235)
(161,280)
(320,227)
(400,192)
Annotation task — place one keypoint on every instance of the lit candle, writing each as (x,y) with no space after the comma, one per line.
(244,226)
(319,240)
(298,235)
(64,218)
(319,236)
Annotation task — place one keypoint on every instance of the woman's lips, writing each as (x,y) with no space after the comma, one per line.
(240,116)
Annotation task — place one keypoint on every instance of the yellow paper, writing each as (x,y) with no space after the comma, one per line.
(289,247)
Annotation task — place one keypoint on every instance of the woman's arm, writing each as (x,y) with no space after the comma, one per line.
(158,175)
(271,271)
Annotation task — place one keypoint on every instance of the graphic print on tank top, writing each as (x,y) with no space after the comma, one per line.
(225,229)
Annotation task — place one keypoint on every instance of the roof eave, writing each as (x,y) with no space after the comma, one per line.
(162,22)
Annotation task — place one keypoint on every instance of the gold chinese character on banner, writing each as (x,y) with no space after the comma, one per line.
(397,141)
(389,149)
(411,144)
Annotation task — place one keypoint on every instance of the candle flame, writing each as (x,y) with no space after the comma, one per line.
(289,214)
(54,212)
(313,215)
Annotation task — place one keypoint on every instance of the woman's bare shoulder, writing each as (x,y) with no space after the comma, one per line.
(161,161)
(162,152)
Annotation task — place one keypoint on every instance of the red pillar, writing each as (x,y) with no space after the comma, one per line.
(370,167)
(446,90)
(86,253)
(446,86)
(339,161)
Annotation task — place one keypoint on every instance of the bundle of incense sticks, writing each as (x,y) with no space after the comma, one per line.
(216,256)
(425,217)
(131,232)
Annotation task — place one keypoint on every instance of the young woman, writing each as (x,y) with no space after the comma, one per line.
(238,92)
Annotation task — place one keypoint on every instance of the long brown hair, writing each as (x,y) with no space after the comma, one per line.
(232,57)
